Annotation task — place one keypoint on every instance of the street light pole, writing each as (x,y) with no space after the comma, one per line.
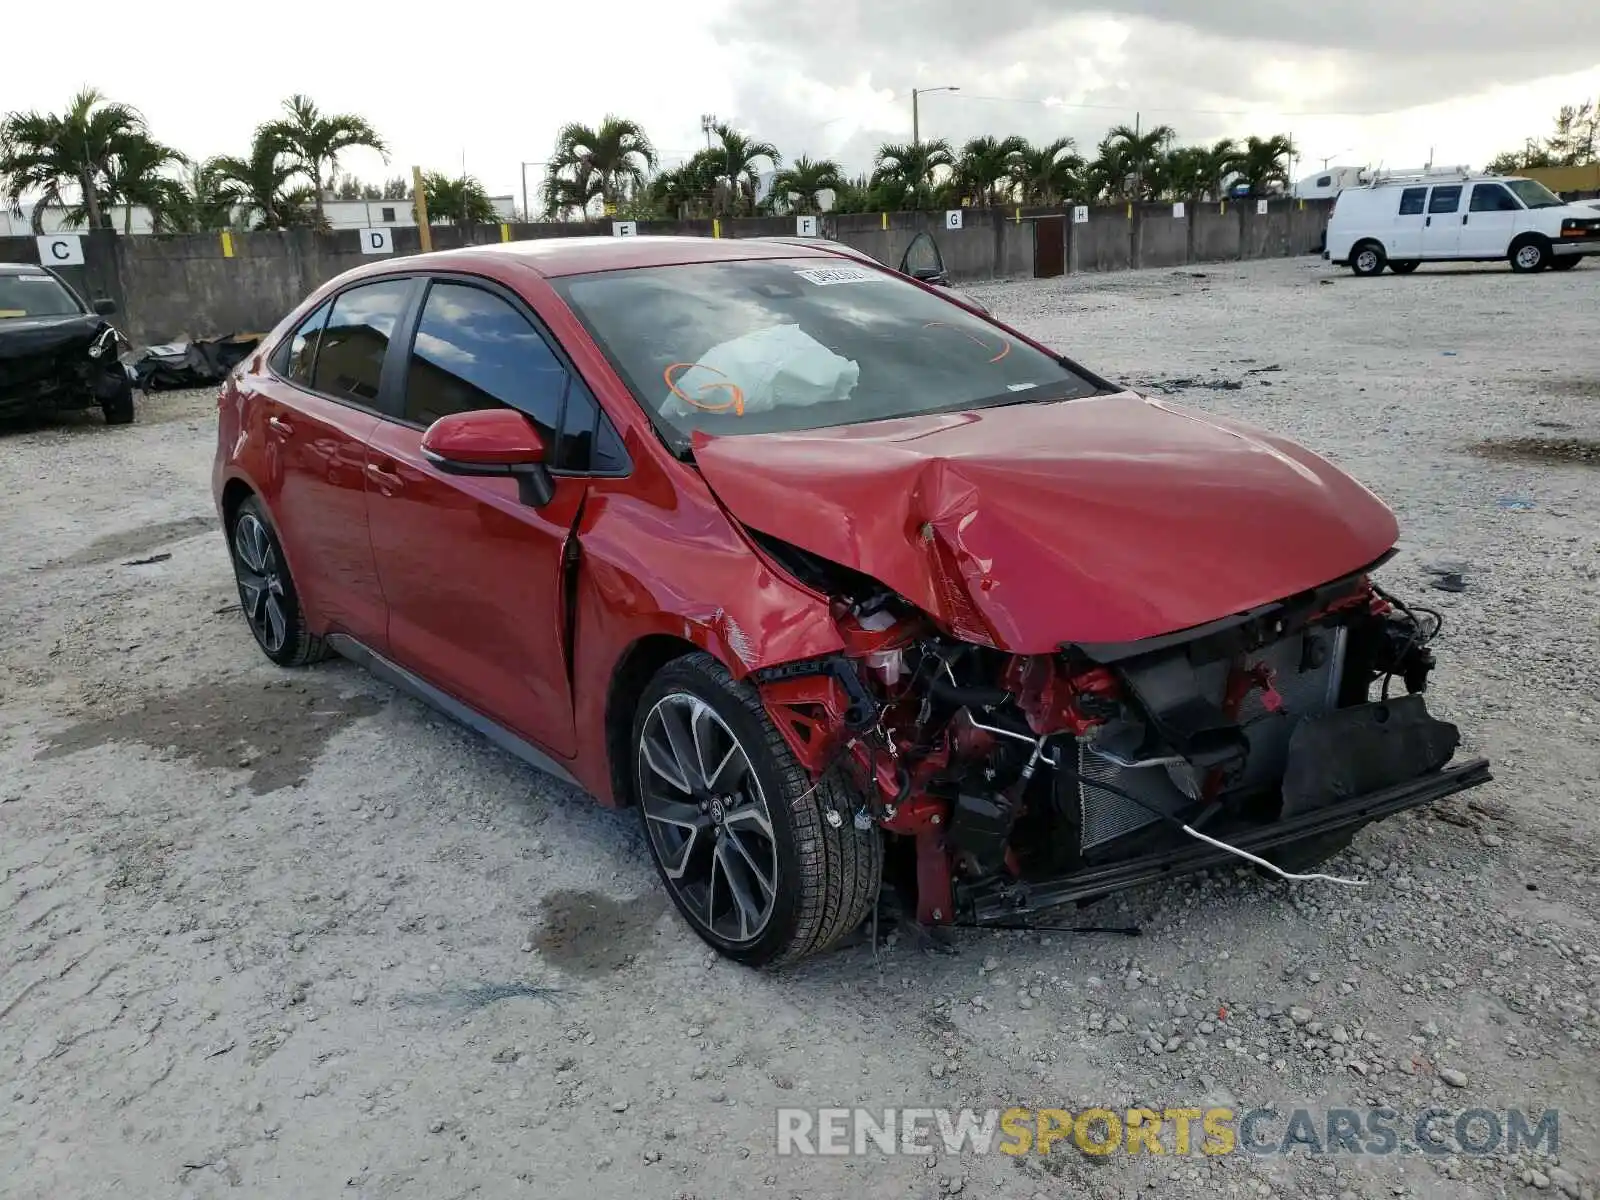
(527,214)
(916,124)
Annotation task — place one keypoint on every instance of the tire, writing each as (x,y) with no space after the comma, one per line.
(267,596)
(796,874)
(1367,258)
(1564,262)
(119,409)
(1529,254)
(1405,266)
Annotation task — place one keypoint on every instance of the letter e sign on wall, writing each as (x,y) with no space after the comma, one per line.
(377,241)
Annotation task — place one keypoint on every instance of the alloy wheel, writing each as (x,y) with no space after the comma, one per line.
(708,818)
(255,563)
(1528,257)
(1367,261)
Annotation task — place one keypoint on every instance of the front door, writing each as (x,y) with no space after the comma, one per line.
(472,576)
(1406,242)
(1441,233)
(1490,221)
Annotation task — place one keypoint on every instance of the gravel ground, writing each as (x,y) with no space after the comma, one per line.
(287,932)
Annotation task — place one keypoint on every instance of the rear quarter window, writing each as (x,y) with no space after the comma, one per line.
(1412,201)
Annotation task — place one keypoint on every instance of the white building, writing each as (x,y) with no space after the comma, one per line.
(341,214)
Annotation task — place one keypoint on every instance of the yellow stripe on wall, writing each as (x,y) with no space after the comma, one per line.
(505,232)
(716,227)
(227,244)
(885,220)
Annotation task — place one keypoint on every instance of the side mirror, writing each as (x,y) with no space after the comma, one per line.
(105,308)
(492,441)
(929,275)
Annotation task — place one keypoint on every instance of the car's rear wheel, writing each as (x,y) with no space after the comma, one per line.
(1405,266)
(1564,263)
(266,591)
(765,865)
(1530,254)
(1367,258)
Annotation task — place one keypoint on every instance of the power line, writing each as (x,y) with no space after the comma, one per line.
(1133,106)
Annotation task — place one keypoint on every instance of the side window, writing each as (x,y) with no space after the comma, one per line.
(1491,197)
(1324,181)
(1445,199)
(474,350)
(1412,200)
(295,354)
(349,363)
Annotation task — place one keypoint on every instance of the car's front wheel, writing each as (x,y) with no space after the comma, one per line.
(266,591)
(1530,254)
(118,409)
(1368,258)
(764,864)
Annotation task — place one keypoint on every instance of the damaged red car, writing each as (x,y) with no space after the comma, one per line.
(838,581)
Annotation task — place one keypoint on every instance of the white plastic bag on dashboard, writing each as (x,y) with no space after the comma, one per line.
(778,367)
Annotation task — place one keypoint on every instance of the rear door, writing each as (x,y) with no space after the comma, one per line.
(1490,221)
(1441,231)
(316,410)
(472,576)
(1406,242)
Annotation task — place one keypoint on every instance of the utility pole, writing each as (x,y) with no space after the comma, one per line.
(708,123)
(916,123)
(1138,161)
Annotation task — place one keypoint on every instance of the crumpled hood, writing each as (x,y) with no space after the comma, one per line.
(1104,520)
(24,337)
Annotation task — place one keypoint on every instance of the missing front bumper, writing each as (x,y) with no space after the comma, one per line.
(995,901)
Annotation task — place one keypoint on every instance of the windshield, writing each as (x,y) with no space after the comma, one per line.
(1534,194)
(769,345)
(35,294)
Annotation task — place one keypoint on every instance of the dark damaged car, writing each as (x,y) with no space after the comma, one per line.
(834,579)
(56,352)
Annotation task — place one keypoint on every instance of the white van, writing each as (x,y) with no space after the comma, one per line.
(1402,223)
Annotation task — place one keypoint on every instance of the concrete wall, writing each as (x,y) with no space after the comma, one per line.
(201,285)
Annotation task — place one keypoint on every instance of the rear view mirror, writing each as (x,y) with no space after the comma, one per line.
(105,308)
(491,441)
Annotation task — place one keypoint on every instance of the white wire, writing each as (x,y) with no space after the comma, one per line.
(1261,862)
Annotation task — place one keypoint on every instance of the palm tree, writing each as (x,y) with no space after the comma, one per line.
(44,153)
(1262,162)
(461,200)
(1220,157)
(905,171)
(739,155)
(261,183)
(314,140)
(800,183)
(206,201)
(609,161)
(987,169)
(133,177)
(1049,174)
(1140,152)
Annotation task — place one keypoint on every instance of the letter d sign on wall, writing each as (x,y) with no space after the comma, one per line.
(377,241)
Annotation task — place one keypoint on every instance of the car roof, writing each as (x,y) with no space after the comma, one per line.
(558,256)
(7,268)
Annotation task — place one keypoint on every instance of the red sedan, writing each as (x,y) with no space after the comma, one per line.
(835,578)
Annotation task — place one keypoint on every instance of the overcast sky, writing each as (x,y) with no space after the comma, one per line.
(1354,80)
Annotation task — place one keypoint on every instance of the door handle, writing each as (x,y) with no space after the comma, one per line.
(384,479)
(1429,221)
(1464,218)
(280,426)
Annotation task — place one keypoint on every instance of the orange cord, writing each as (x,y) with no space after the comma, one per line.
(735,394)
(1005,347)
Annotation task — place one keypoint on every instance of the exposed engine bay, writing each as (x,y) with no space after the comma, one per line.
(1009,784)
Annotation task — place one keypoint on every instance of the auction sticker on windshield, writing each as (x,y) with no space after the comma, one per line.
(824,276)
